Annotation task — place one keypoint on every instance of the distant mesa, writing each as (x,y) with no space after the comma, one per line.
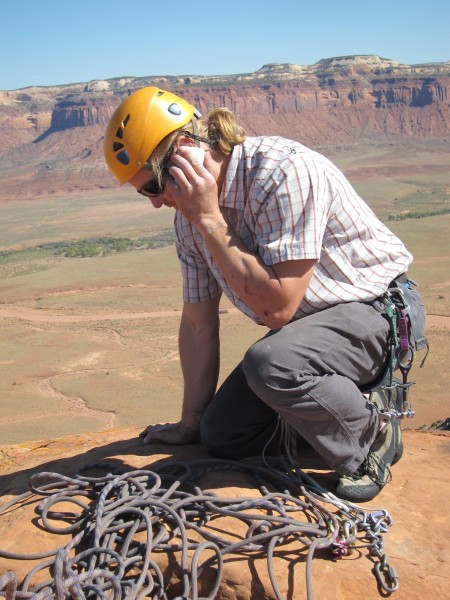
(97,86)
(375,65)
(52,135)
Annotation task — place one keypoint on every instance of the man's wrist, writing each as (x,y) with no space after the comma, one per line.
(191,419)
(209,226)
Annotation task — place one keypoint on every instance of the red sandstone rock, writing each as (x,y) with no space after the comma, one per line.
(417,545)
(56,132)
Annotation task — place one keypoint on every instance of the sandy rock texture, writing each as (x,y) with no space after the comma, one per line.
(417,545)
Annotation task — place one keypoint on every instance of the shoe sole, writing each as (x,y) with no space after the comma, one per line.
(368,491)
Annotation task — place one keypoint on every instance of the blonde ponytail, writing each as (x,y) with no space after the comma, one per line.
(220,126)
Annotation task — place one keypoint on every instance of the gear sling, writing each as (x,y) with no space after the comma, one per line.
(406,337)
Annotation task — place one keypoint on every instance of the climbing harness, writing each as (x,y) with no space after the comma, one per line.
(120,523)
(401,351)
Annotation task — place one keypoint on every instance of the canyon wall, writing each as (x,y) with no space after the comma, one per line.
(51,137)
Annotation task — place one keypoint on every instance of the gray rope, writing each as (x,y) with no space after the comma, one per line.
(121,523)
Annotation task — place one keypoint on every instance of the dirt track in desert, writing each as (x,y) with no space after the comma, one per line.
(40,316)
(109,382)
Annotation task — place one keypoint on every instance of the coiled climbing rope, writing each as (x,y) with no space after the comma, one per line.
(120,523)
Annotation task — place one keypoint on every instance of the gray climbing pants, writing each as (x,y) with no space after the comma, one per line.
(309,373)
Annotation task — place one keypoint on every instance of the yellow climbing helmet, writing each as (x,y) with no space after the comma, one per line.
(138,125)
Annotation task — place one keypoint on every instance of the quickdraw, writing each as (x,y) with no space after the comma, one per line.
(401,353)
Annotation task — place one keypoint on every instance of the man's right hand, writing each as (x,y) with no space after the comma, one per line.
(170,433)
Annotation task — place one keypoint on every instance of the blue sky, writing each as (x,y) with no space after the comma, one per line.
(56,42)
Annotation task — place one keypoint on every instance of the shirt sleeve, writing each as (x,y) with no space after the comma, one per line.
(293,215)
(199,283)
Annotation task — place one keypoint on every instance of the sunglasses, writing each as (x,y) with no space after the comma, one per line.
(155,187)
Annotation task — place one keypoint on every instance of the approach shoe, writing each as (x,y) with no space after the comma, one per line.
(375,471)
(379,397)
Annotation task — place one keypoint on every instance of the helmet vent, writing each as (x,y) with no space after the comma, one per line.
(174,109)
(122,156)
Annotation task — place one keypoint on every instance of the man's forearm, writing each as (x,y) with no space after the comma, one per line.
(200,361)
(246,274)
(272,292)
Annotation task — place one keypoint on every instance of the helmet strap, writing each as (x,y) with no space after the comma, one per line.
(199,138)
(195,136)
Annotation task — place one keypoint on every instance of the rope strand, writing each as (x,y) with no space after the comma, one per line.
(123,522)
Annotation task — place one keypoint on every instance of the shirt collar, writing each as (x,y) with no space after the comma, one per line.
(232,194)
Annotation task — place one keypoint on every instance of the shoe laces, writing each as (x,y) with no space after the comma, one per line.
(369,467)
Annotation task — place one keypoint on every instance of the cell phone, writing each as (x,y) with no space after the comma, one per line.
(194,155)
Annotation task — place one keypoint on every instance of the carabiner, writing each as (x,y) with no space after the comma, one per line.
(387,577)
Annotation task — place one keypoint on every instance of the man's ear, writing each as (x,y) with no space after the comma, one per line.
(184,140)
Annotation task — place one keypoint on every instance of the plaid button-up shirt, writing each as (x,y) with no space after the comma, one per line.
(287,202)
